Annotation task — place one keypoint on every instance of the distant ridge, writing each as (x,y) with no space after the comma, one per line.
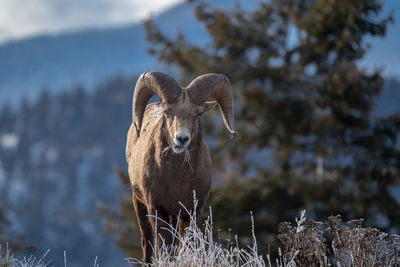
(60,62)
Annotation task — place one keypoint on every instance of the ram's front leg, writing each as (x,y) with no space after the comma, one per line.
(160,222)
(146,229)
(184,221)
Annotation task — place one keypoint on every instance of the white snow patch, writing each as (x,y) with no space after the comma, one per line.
(9,141)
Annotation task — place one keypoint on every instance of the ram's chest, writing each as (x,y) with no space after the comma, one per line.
(172,183)
(174,179)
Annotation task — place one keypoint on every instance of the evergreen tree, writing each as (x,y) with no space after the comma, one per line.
(303,109)
(303,104)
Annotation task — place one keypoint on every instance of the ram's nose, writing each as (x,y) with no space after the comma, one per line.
(182,140)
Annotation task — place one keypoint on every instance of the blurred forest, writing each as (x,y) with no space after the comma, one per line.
(56,164)
(317,132)
(310,138)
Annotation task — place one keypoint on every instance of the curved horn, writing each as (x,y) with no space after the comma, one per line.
(149,84)
(217,87)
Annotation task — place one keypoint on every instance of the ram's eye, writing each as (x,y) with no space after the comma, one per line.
(167,112)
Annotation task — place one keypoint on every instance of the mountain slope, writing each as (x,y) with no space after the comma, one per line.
(86,58)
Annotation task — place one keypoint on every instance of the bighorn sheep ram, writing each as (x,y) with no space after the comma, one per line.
(161,175)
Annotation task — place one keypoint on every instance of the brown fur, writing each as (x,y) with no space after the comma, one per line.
(162,179)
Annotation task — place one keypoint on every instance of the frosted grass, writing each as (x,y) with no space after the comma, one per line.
(8,260)
(199,248)
(303,243)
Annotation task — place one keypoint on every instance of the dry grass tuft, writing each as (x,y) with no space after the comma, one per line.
(356,246)
(352,245)
(7,260)
(304,242)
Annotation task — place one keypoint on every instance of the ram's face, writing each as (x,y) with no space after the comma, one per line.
(183,121)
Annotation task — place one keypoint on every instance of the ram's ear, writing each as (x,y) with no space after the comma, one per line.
(208,106)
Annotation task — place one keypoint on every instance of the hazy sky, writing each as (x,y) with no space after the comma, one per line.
(23,18)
